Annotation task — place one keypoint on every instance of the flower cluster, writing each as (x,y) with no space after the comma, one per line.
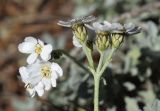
(40,74)
(112,34)
(107,34)
(79,29)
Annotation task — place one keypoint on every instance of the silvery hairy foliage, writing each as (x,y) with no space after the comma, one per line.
(154,107)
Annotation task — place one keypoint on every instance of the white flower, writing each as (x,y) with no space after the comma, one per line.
(78,26)
(102,26)
(76,43)
(81,20)
(40,75)
(35,48)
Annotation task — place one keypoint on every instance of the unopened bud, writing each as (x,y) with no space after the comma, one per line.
(80,32)
(117,39)
(102,41)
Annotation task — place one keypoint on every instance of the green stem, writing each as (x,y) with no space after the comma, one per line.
(89,56)
(96,92)
(73,60)
(107,61)
(100,61)
(97,75)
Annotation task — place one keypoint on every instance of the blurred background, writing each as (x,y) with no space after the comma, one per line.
(132,80)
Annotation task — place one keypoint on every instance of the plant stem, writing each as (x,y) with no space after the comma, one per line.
(100,61)
(89,56)
(73,60)
(97,75)
(107,61)
(96,92)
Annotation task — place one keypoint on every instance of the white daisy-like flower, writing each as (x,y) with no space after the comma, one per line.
(35,48)
(78,26)
(40,76)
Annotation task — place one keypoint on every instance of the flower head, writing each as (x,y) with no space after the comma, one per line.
(79,29)
(40,76)
(119,31)
(117,35)
(36,48)
(126,29)
(102,30)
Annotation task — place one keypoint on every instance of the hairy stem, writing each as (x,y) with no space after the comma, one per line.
(107,61)
(89,56)
(96,92)
(100,64)
(97,75)
(73,60)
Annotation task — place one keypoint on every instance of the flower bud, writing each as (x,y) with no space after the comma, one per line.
(117,39)
(102,41)
(80,32)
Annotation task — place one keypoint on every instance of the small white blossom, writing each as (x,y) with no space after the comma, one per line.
(78,26)
(35,48)
(40,76)
(101,26)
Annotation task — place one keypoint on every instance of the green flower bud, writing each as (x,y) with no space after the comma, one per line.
(80,32)
(102,41)
(117,39)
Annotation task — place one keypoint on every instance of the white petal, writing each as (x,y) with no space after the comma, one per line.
(46,51)
(32,58)
(57,68)
(97,25)
(47,83)
(39,89)
(40,92)
(54,74)
(34,69)
(107,23)
(24,74)
(40,85)
(40,42)
(31,39)
(53,81)
(35,79)
(76,42)
(26,47)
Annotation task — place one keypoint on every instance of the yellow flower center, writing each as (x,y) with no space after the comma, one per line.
(38,49)
(46,71)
